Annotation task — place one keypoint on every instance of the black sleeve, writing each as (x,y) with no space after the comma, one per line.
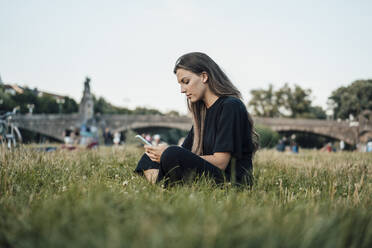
(232,127)
(187,143)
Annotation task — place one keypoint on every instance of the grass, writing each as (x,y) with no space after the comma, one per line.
(93,199)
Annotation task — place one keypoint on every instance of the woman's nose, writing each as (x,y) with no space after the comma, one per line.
(183,90)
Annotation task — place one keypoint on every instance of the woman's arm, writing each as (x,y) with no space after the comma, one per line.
(218,159)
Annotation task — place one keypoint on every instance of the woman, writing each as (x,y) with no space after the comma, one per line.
(221,142)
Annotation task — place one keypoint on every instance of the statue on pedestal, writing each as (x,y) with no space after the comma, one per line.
(86,110)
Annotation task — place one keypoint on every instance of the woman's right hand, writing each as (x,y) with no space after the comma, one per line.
(155,152)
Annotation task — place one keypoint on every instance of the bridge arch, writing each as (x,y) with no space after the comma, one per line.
(321,132)
(333,129)
(29,135)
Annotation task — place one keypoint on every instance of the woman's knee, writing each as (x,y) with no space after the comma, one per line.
(145,159)
(171,155)
(146,163)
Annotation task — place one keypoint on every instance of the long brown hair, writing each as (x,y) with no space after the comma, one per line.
(219,84)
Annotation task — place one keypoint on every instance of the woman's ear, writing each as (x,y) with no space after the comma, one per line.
(204,77)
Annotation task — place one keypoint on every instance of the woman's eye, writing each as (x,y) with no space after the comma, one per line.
(186,82)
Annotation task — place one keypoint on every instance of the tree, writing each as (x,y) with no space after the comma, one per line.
(44,104)
(295,101)
(146,111)
(69,106)
(316,112)
(352,99)
(288,102)
(6,101)
(104,107)
(27,97)
(264,102)
(173,113)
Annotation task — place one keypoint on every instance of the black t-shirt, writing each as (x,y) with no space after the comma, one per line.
(227,129)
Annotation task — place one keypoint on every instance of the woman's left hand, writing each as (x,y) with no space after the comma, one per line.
(155,152)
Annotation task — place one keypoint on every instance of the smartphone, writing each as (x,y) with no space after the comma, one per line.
(145,142)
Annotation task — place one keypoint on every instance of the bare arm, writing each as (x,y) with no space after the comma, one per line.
(218,159)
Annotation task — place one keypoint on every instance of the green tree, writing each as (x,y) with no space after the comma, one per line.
(264,102)
(46,105)
(288,102)
(173,113)
(296,101)
(101,105)
(69,106)
(27,97)
(146,111)
(6,101)
(316,112)
(268,137)
(352,99)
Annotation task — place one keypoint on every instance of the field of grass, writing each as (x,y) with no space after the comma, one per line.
(93,199)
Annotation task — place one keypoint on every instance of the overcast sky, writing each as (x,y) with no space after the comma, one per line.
(129,48)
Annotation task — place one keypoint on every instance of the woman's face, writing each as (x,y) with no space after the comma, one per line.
(193,85)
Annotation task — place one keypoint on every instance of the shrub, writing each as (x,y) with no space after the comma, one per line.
(268,137)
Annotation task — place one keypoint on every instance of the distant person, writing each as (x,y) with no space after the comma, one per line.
(294,147)
(76,136)
(83,134)
(280,147)
(107,137)
(156,140)
(334,149)
(369,146)
(221,142)
(67,136)
(329,147)
(92,137)
(148,138)
(116,139)
(342,145)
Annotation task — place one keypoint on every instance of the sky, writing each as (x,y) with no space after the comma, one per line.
(128,48)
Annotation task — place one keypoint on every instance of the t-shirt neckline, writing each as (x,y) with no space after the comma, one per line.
(215,103)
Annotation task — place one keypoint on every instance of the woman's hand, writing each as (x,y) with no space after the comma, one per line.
(155,152)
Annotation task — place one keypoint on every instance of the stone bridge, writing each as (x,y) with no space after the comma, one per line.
(54,125)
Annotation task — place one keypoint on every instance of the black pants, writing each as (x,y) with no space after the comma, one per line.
(178,164)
